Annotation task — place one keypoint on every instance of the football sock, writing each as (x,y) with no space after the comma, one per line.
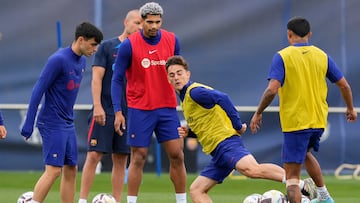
(131,199)
(180,197)
(82,201)
(323,194)
(301,184)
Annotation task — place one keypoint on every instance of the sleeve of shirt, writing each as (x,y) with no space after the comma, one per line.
(122,62)
(1,119)
(177,46)
(277,69)
(208,98)
(333,72)
(46,79)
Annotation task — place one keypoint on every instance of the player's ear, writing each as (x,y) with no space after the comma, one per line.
(80,39)
(309,35)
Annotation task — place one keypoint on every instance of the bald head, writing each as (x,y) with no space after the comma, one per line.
(132,14)
(132,23)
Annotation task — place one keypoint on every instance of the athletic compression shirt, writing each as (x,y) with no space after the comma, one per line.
(59,81)
(124,62)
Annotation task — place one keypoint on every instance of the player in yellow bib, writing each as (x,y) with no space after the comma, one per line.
(298,73)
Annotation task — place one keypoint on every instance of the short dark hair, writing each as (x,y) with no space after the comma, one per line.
(176,60)
(299,25)
(88,31)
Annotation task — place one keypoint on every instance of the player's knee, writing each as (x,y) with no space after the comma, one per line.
(53,171)
(138,159)
(194,190)
(176,159)
(93,157)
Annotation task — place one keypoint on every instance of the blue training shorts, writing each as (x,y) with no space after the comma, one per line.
(297,143)
(224,158)
(59,146)
(104,138)
(142,123)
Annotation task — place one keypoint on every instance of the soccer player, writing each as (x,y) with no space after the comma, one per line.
(151,99)
(213,119)
(298,73)
(102,137)
(59,82)
(3,131)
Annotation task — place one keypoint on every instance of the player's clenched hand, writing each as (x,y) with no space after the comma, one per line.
(119,123)
(255,122)
(27,130)
(351,115)
(3,132)
(183,131)
(243,129)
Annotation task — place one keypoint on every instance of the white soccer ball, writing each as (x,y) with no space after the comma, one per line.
(273,196)
(25,197)
(103,198)
(253,198)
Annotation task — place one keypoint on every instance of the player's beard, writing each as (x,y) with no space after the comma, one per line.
(152,32)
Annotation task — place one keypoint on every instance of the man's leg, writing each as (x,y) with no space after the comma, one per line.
(45,182)
(68,184)
(249,167)
(314,170)
(293,171)
(118,174)
(135,171)
(174,150)
(199,189)
(88,172)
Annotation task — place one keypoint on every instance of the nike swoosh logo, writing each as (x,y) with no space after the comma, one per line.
(304,52)
(152,51)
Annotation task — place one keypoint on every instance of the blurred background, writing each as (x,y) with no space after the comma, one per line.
(229,45)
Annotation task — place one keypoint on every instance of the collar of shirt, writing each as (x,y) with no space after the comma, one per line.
(301,44)
(183,91)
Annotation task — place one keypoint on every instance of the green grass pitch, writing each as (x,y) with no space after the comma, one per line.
(159,188)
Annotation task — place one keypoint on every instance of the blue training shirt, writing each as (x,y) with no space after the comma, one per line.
(105,57)
(59,81)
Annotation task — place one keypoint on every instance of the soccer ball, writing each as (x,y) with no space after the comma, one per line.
(25,197)
(103,198)
(273,196)
(253,198)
